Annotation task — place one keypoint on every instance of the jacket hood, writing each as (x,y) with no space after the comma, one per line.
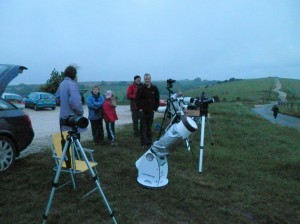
(8,73)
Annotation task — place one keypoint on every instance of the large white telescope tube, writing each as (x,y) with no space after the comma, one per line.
(153,165)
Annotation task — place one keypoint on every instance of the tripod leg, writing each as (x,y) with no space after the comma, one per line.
(210,132)
(201,143)
(55,181)
(96,179)
(163,121)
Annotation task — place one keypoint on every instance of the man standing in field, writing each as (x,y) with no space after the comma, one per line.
(147,102)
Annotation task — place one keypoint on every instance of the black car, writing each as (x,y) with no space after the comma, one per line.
(16,131)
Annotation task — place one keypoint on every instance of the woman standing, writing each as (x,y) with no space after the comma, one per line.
(95,102)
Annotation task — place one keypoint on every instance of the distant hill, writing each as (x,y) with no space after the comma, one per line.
(119,87)
(246,90)
(22,89)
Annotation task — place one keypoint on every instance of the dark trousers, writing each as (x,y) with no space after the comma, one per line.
(146,128)
(97,130)
(110,129)
(136,119)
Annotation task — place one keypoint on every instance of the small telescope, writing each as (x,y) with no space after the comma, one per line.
(74,121)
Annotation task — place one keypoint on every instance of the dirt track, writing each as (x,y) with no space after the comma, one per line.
(45,122)
(283,120)
(266,112)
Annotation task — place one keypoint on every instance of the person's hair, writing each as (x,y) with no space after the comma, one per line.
(70,72)
(136,77)
(95,86)
(147,74)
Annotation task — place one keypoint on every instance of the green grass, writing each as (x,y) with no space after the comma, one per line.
(291,87)
(250,175)
(250,90)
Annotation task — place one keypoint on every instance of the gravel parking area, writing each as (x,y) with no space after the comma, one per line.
(45,122)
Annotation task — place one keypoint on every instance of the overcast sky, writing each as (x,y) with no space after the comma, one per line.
(179,39)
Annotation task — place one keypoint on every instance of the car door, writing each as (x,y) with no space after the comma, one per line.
(8,73)
(30,100)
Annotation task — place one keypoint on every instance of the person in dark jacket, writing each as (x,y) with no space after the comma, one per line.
(131,95)
(95,102)
(147,102)
(275,111)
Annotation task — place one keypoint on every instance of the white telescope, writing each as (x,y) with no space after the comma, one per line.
(153,165)
(188,100)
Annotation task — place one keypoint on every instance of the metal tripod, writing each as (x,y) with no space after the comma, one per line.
(203,106)
(73,141)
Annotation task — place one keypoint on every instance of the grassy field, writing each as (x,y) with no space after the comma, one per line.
(250,175)
(250,90)
(291,87)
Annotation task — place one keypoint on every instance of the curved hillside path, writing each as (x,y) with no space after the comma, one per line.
(281,95)
(266,110)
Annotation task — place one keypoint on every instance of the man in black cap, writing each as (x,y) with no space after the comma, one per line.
(131,95)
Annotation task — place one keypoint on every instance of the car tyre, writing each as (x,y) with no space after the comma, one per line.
(53,108)
(7,153)
(35,107)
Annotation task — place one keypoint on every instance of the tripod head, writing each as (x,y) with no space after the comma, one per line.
(73,132)
(202,103)
(170,85)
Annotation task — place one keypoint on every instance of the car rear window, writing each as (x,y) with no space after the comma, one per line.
(5,105)
(46,96)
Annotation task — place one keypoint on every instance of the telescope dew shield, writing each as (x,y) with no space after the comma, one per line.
(81,122)
(161,109)
(75,121)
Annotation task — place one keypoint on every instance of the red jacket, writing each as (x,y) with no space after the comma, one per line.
(131,95)
(109,111)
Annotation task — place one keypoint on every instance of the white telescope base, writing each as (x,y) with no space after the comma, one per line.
(152,170)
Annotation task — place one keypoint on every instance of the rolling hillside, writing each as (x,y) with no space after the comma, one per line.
(246,90)
(250,90)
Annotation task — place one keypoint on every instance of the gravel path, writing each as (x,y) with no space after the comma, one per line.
(45,122)
(284,120)
(266,112)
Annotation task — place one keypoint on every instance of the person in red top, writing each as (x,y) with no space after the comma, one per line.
(131,95)
(110,116)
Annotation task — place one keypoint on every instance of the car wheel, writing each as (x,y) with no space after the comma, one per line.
(7,153)
(35,107)
(53,108)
